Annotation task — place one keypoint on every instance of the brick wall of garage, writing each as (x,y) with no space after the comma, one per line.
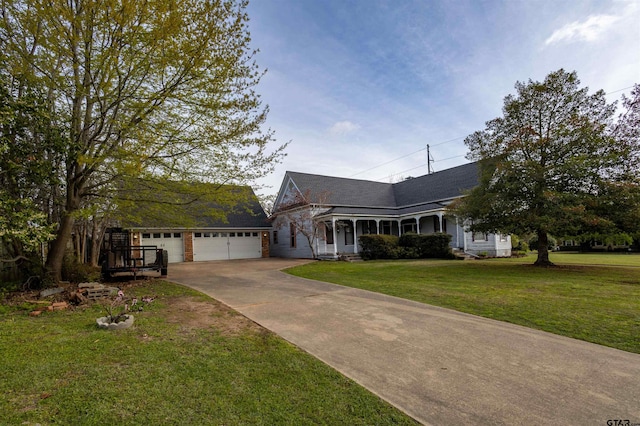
(188,247)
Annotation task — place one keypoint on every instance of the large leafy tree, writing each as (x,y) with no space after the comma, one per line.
(619,198)
(30,143)
(147,91)
(545,163)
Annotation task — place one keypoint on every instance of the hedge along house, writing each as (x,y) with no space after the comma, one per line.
(206,231)
(323,216)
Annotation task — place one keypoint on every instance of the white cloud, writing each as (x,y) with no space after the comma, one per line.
(342,128)
(588,30)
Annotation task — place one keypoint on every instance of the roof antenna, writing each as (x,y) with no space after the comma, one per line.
(429,161)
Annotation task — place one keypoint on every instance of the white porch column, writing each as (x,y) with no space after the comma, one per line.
(417,224)
(464,238)
(399,227)
(378,226)
(355,236)
(440,222)
(335,237)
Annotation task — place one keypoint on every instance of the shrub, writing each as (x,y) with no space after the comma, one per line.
(76,272)
(518,253)
(24,274)
(427,246)
(379,247)
(408,246)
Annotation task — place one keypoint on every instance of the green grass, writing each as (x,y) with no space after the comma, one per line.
(167,369)
(599,304)
(575,258)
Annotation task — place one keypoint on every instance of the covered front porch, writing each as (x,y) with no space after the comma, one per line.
(339,233)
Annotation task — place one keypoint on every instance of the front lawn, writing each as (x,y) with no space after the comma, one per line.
(599,304)
(187,360)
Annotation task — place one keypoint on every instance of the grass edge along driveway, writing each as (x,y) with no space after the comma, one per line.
(187,360)
(598,304)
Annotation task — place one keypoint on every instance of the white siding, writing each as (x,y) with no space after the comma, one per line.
(283,247)
(492,246)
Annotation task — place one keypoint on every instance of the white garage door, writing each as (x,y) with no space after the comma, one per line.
(210,246)
(245,245)
(169,241)
(226,245)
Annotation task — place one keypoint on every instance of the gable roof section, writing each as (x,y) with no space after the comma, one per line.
(400,197)
(343,191)
(249,214)
(245,212)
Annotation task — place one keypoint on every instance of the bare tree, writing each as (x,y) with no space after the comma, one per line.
(299,213)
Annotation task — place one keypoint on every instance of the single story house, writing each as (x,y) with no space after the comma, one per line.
(339,210)
(243,234)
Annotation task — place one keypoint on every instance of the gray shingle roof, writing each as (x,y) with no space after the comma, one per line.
(442,185)
(246,213)
(386,198)
(345,192)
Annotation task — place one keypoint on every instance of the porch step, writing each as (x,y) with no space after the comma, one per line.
(327,257)
(350,257)
(461,255)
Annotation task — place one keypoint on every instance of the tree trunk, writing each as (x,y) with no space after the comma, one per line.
(97,237)
(59,247)
(543,250)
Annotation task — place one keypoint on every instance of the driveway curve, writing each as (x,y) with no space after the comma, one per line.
(437,365)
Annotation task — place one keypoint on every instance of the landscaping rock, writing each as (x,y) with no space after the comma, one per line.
(78,298)
(60,306)
(50,292)
(104,323)
(90,285)
(100,293)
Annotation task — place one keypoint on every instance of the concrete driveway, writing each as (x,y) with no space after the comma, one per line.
(439,366)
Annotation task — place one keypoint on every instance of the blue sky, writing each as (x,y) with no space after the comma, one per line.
(354,84)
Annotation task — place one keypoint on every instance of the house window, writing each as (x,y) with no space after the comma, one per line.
(232,234)
(146,235)
(348,235)
(292,233)
(248,234)
(409,227)
(255,234)
(503,237)
(328,233)
(198,234)
(156,235)
(275,237)
(167,235)
(207,234)
(479,236)
(177,235)
(223,234)
(368,227)
(386,227)
(444,224)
